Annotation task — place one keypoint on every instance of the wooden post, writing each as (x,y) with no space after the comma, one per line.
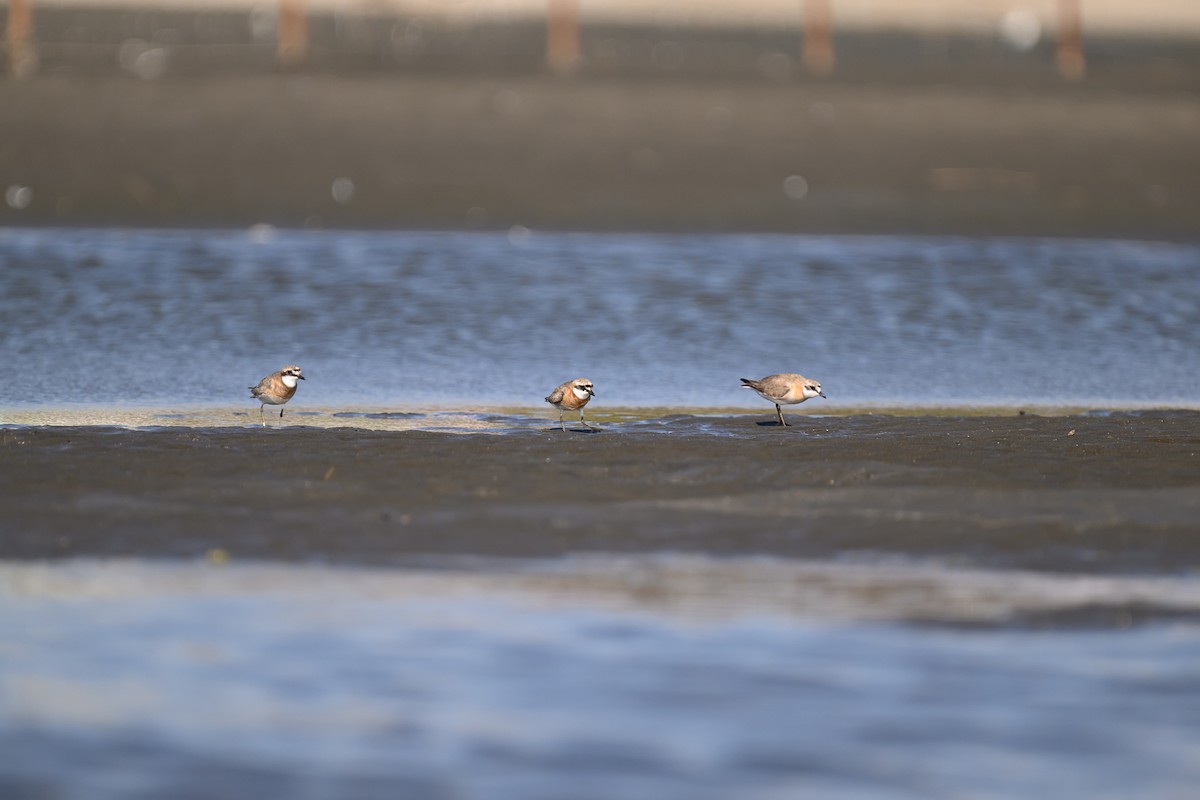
(818,36)
(1071,64)
(18,36)
(293,33)
(562,35)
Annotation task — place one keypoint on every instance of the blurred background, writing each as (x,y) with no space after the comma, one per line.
(451,206)
(1062,117)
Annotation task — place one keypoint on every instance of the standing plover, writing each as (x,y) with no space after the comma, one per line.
(787,388)
(276,389)
(570,396)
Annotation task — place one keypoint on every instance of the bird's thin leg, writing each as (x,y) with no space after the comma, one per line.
(584,422)
(281,412)
(562,424)
(261,416)
(779,411)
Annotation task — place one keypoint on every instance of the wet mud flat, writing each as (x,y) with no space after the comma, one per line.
(1112,493)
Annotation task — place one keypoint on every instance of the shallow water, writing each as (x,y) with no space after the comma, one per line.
(636,677)
(1034,631)
(168,318)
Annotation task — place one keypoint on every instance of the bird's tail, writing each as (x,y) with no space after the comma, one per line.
(749,384)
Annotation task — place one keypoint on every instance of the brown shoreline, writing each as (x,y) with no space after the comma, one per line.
(1090,494)
(456,152)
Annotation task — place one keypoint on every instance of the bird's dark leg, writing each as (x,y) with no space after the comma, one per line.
(584,422)
(261,416)
(561,424)
(779,411)
(281,412)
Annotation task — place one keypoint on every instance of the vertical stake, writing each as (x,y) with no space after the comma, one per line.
(18,36)
(1071,64)
(293,33)
(818,36)
(562,35)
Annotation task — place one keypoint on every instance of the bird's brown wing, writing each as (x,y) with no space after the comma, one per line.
(263,386)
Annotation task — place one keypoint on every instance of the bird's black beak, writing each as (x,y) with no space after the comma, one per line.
(822,394)
(301,377)
(592,392)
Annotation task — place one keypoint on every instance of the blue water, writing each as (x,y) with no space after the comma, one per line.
(386,318)
(134,679)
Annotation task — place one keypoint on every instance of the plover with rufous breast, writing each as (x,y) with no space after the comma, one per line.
(786,388)
(276,389)
(572,396)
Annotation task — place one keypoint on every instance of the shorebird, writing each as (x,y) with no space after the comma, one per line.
(276,389)
(570,396)
(786,388)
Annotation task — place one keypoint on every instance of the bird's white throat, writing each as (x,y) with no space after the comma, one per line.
(289,381)
(580,393)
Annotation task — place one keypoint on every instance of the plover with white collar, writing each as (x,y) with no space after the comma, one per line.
(276,389)
(572,396)
(786,388)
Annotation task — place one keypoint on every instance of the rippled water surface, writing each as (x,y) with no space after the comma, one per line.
(165,318)
(655,678)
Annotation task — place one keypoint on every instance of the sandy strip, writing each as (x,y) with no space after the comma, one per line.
(686,587)
(403,417)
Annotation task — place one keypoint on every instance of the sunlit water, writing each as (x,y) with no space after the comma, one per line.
(169,318)
(655,677)
(639,677)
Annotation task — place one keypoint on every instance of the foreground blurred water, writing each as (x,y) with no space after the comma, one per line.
(638,677)
(383,318)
